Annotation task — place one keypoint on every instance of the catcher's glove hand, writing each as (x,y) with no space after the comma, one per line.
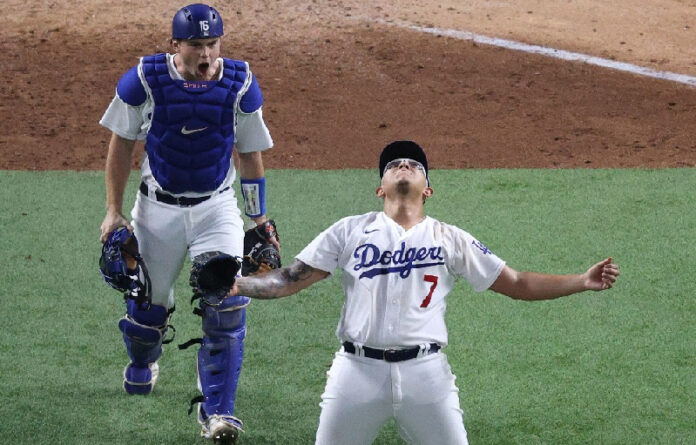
(260,255)
(123,268)
(212,276)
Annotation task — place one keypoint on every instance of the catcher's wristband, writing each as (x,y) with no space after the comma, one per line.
(254,194)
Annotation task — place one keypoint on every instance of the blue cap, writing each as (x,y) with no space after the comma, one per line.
(196,21)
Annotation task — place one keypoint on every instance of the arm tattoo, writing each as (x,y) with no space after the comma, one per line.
(277,283)
(297,271)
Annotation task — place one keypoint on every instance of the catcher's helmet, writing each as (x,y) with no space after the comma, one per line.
(196,21)
(123,268)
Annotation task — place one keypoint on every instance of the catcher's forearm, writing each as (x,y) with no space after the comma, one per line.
(118,164)
(251,165)
(280,282)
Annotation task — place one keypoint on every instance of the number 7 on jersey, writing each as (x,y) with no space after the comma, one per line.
(430,279)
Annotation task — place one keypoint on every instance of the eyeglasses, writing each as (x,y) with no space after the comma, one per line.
(410,162)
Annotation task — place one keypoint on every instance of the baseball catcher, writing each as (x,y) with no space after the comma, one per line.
(197,112)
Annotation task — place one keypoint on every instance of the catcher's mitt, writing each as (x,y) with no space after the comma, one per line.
(212,276)
(260,255)
(123,268)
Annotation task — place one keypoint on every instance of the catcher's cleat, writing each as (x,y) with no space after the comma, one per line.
(222,430)
(138,380)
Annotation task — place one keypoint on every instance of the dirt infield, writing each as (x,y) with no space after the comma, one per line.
(341,79)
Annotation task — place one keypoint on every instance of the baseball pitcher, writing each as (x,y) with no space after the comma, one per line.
(191,108)
(398,267)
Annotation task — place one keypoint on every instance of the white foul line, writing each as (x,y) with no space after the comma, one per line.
(559,54)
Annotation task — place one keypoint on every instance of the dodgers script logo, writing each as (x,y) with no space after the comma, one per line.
(401,261)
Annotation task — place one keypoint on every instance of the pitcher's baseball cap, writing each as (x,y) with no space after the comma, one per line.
(402,149)
(196,21)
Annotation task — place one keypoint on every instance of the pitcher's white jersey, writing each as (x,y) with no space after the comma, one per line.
(396,281)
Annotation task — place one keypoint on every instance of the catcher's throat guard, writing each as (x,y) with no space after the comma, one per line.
(123,268)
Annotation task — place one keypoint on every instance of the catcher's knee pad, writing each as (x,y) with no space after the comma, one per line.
(143,333)
(220,356)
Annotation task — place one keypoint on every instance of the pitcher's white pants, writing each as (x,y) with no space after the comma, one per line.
(361,394)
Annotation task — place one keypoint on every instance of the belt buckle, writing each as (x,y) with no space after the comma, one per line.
(389,355)
(185,201)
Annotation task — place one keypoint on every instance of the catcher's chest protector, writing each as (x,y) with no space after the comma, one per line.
(191,138)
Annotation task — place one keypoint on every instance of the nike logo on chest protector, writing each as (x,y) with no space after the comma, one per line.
(185,130)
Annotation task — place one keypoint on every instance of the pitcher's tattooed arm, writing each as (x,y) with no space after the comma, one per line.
(279,282)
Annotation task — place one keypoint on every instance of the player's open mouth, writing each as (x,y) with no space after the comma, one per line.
(203,68)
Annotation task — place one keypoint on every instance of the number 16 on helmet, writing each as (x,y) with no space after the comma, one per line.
(197,21)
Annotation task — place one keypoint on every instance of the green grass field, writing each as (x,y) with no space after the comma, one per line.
(617,367)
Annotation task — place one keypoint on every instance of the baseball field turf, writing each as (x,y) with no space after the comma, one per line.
(609,368)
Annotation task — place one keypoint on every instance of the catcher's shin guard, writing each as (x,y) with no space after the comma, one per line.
(220,364)
(143,333)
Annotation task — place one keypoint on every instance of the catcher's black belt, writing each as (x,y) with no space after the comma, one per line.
(181,201)
(390,355)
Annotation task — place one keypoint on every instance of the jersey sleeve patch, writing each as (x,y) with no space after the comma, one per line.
(130,89)
(252,99)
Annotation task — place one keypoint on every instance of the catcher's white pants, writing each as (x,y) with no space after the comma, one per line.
(361,394)
(166,233)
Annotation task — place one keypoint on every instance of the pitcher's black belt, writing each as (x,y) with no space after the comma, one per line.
(390,355)
(181,201)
